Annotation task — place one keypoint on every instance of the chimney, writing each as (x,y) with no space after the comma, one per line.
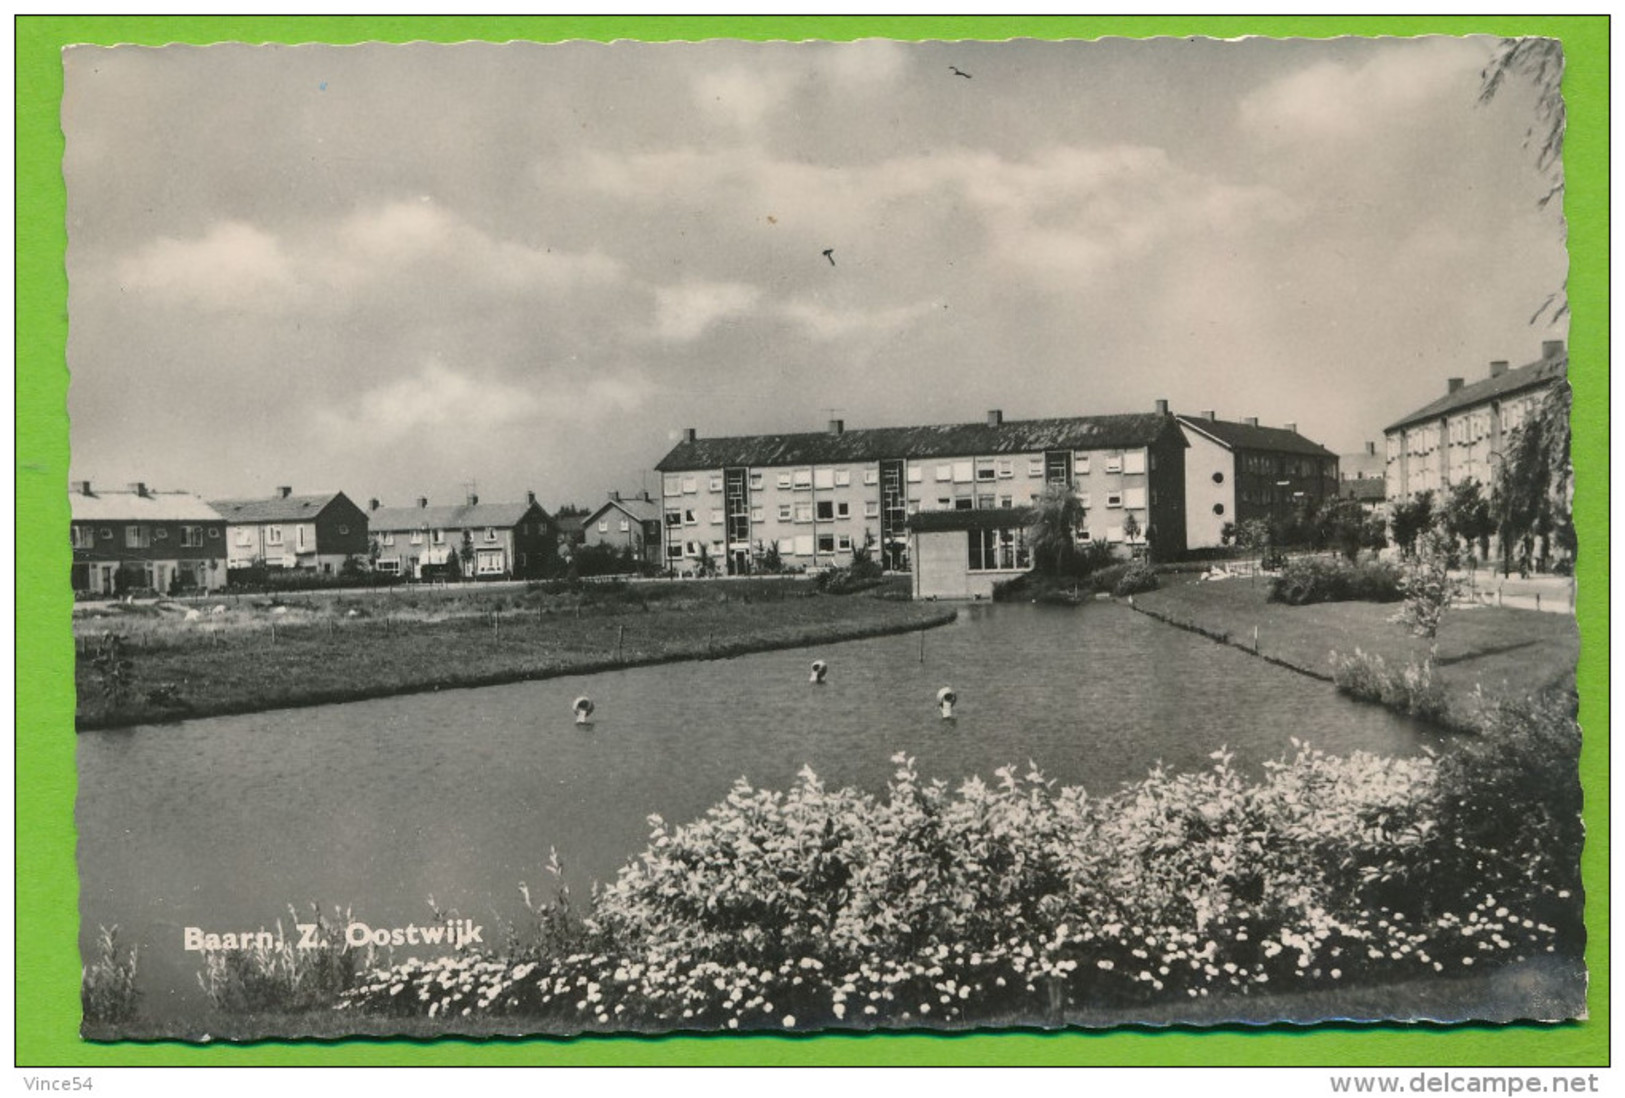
(283,491)
(1498,367)
(1551,348)
(373,505)
(1293,427)
(138,488)
(689,434)
(1162,407)
(1210,415)
(1371,449)
(530,498)
(837,426)
(84,488)
(615,495)
(995,417)
(423,501)
(1251,421)
(1454,383)
(473,499)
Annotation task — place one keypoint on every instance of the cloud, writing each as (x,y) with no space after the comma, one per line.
(685,311)
(741,96)
(232,266)
(824,323)
(435,400)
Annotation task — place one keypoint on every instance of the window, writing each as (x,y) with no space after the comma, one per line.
(673,486)
(756,514)
(1007,501)
(675,549)
(690,486)
(802,479)
(389,539)
(843,543)
(674,518)
(945,472)
(804,512)
(1114,533)
(82,537)
(1080,465)
(603,527)
(843,478)
(1083,500)
(964,472)
(343,530)
(784,512)
(1218,478)
(136,537)
(1114,464)
(826,543)
(945,503)
(804,545)
(784,480)
(437,537)
(716,484)
(273,535)
(997,550)
(716,517)
(191,537)
(688,517)
(826,510)
(244,537)
(756,482)
(985,469)
(824,478)
(1134,497)
(964,503)
(488,562)
(915,474)
(1007,468)
(871,476)
(871,508)
(1134,462)
(214,533)
(843,510)
(417,537)
(106,533)
(1114,499)
(1218,508)
(1035,466)
(160,533)
(390,565)
(984,501)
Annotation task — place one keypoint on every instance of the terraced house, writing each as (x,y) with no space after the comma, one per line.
(314,532)
(143,540)
(1464,434)
(477,540)
(812,498)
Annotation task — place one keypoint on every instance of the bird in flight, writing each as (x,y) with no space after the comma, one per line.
(829,254)
(959,72)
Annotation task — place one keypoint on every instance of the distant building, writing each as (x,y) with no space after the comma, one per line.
(314,532)
(141,540)
(962,554)
(1363,477)
(502,540)
(812,498)
(1465,434)
(630,522)
(1238,471)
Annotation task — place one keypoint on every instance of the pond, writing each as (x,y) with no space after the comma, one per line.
(379,805)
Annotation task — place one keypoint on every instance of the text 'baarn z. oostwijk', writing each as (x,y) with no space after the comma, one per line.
(454,934)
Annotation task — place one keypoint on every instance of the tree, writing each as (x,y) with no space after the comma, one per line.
(1466,516)
(705,565)
(768,559)
(1345,525)
(465,554)
(1131,529)
(1532,497)
(1429,587)
(1410,519)
(1058,513)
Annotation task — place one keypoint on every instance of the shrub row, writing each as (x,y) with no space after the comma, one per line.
(1305,580)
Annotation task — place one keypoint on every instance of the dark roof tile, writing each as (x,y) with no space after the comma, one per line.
(1529,376)
(1245,436)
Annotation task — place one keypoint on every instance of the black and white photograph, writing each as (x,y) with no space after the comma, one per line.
(809,537)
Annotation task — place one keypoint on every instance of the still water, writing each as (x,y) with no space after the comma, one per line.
(379,805)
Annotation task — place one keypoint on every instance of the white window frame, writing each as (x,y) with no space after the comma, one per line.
(843,543)
(871,508)
(945,473)
(914,474)
(823,479)
(824,510)
(191,537)
(715,484)
(801,479)
(824,539)
(626,526)
(786,512)
(273,535)
(488,562)
(1080,465)
(784,480)
(871,476)
(804,512)
(1035,467)
(756,514)
(1114,463)
(82,537)
(716,516)
(1134,498)
(843,509)
(964,472)
(1114,500)
(389,539)
(1007,468)
(843,478)
(137,536)
(1134,463)
(672,485)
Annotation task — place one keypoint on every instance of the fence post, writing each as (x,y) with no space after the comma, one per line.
(620,641)
(1255,640)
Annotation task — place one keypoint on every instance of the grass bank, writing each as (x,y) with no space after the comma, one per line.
(1504,651)
(175,661)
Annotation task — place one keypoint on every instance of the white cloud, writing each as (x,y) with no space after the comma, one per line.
(824,323)
(436,399)
(233,266)
(740,96)
(685,311)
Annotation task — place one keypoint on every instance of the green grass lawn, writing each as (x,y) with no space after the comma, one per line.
(255,656)
(1506,651)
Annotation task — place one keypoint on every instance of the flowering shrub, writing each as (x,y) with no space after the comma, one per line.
(1020,900)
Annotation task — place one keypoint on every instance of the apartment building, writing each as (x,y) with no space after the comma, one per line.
(1238,470)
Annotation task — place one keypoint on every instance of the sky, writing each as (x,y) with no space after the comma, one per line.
(405,270)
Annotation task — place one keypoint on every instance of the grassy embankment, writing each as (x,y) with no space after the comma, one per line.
(1509,653)
(261,653)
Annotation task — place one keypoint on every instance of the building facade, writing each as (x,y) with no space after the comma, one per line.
(962,554)
(630,523)
(1363,478)
(811,499)
(141,540)
(1465,433)
(315,532)
(482,541)
(1239,471)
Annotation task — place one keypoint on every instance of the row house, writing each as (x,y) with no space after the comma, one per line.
(1236,471)
(629,523)
(1464,434)
(139,539)
(812,498)
(478,540)
(1363,478)
(315,532)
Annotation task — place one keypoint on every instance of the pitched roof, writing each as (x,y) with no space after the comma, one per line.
(288,508)
(1361,464)
(1246,436)
(988,518)
(1364,489)
(462,516)
(137,507)
(1116,432)
(637,508)
(1529,376)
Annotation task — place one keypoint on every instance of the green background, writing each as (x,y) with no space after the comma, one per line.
(46,898)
